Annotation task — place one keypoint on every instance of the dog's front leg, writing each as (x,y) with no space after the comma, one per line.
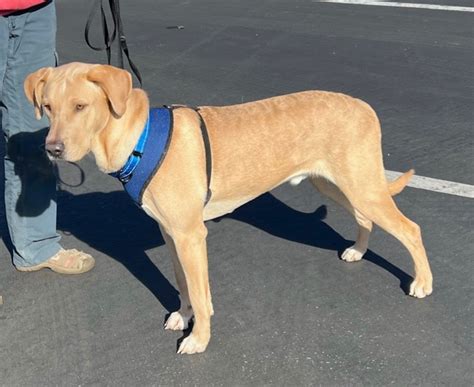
(192,255)
(178,320)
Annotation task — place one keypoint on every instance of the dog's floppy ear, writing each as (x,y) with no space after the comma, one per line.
(116,84)
(33,86)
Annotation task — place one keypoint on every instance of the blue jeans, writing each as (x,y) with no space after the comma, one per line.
(27,43)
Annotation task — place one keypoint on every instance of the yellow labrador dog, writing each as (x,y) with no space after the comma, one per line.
(332,139)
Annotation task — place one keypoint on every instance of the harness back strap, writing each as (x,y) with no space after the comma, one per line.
(207,149)
(207,146)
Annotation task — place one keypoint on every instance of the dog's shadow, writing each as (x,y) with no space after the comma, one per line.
(112,224)
(275,217)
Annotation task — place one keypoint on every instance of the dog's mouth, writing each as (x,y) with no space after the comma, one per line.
(54,158)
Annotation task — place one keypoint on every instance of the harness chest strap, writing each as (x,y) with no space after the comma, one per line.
(151,149)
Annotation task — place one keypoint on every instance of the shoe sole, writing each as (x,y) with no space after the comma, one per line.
(56,269)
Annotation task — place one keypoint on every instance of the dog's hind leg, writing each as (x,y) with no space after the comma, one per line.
(375,202)
(356,251)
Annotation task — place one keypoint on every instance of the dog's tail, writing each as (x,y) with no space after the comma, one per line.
(396,186)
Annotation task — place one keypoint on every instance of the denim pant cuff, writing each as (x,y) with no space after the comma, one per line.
(41,256)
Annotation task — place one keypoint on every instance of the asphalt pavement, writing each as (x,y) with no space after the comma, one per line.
(288,311)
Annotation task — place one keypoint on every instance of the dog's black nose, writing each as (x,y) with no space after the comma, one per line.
(55,149)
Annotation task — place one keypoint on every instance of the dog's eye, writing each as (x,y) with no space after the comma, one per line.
(47,107)
(80,107)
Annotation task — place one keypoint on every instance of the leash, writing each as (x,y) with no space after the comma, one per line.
(109,39)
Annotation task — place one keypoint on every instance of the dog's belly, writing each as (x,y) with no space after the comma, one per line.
(220,207)
(215,209)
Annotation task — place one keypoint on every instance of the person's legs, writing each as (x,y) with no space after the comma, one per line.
(28,43)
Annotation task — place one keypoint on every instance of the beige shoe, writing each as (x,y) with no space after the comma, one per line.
(65,262)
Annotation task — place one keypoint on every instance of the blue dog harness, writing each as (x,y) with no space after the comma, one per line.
(150,151)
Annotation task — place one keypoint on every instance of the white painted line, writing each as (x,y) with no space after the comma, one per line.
(436,185)
(400,5)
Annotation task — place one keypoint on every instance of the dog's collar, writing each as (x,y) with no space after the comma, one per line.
(126,172)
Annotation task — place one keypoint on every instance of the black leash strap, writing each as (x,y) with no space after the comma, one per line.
(110,38)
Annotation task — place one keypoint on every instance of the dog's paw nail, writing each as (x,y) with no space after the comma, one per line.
(176,322)
(419,289)
(351,254)
(192,345)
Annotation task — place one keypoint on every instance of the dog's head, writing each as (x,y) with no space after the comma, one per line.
(79,100)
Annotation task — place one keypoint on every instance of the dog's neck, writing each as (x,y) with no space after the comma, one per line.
(112,145)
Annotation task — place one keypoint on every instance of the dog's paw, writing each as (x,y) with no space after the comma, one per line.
(177,322)
(420,288)
(192,344)
(352,254)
